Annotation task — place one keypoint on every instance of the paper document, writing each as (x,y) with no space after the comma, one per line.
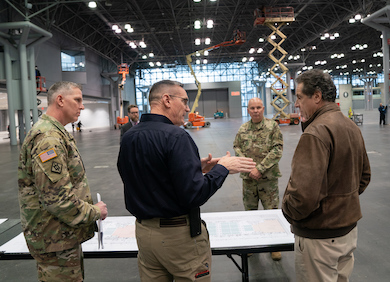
(100,227)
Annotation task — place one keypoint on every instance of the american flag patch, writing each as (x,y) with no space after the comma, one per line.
(47,155)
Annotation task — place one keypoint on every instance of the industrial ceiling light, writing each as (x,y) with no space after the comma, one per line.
(196,1)
(151,55)
(206,53)
(207,41)
(92,4)
(205,61)
(197,41)
(158,64)
(197,24)
(330,36)
(129,28)
(115,27)
(210,23)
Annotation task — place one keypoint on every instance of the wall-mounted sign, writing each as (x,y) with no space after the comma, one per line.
(235,93)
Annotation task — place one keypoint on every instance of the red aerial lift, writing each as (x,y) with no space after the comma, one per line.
(194,119)
(290,119)
(123,69)
(41,84)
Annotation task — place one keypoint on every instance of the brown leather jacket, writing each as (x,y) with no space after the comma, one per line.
(329,170)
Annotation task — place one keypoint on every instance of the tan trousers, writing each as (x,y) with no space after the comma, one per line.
(169,253)
(325,260)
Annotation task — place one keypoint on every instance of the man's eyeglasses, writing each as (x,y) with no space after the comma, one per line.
(184,100)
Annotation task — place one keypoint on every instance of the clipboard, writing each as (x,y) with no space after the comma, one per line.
(100,227)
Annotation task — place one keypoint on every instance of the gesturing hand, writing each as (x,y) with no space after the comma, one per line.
(237,164)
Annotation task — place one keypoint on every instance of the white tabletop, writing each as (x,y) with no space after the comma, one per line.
(228,230)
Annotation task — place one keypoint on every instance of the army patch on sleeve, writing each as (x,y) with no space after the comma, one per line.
(56,167)
(47,155)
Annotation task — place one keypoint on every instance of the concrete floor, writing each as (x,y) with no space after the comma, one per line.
(99,149)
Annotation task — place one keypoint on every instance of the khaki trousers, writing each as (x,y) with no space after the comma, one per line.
(169,253)
(325,260)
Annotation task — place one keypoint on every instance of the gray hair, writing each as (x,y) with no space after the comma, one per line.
(61,87)
(317,80)
(158,87)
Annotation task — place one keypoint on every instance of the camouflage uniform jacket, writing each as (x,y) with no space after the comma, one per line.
(263,142)
(56,207)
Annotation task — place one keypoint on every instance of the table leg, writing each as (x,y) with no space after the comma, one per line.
(244,266)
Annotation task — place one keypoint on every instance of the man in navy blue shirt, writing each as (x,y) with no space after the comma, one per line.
(382,114)
(163,183)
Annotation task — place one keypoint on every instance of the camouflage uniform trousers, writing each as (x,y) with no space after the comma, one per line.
(265,190)
(61,266)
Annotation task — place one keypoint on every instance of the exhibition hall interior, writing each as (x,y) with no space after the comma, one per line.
(224,52)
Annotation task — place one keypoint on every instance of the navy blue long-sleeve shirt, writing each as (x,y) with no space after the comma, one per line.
(161,170)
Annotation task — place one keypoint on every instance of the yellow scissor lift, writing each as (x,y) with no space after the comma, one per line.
(268,17)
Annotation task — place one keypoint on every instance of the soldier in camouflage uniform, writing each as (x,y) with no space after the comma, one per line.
(260,139)
(56,208)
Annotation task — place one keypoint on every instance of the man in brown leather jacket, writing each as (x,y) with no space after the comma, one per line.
(329,170)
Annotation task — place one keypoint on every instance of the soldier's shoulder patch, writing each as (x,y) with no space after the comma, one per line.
(56,167)
(47,155)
